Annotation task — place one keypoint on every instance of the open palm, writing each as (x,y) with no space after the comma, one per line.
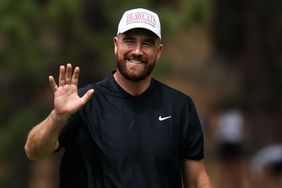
(66,99)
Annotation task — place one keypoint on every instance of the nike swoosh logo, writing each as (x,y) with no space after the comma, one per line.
(164,118)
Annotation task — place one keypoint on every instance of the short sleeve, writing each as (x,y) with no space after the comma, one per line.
(192,134)
(70,131)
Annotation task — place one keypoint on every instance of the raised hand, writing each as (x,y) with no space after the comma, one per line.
(66,99)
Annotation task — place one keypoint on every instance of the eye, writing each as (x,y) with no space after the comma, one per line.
(148,44)
(129,41)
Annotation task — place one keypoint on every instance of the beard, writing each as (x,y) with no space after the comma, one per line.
(139,70)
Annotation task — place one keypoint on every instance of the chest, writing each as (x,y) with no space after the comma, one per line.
(123,129)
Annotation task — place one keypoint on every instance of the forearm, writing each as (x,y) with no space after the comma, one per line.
(43,138)
(195,175)
(203,182)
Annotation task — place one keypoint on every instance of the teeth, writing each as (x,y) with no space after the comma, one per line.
(135,61)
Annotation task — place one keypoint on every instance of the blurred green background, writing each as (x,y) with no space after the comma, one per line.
(219,52)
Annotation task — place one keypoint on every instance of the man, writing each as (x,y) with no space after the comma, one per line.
(133,132)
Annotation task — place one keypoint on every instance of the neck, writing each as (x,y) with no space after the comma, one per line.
(134,88)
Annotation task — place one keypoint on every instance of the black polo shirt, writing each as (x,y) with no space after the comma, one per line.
(121,141)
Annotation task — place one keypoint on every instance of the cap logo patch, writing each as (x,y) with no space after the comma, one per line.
(142,17)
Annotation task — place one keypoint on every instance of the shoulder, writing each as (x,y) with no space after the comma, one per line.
(172,93)
(96,86)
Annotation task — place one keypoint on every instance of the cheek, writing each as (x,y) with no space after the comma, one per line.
(122,52)
(152,53)
(152,56)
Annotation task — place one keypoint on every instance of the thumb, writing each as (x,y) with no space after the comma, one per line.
(87,96)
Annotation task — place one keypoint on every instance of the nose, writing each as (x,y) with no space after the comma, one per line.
(138,49)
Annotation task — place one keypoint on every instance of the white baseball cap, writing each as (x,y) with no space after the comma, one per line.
(140,18)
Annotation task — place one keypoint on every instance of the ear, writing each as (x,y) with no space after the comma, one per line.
(115,40)
(115,50)
(159,51)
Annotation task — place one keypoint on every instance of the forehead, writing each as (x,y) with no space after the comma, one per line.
(140,32)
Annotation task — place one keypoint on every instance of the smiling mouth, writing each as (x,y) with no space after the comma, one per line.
(135,61)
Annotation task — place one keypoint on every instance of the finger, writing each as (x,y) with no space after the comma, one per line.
(68,73)
(75,76)
(53,84)
(85,98)
(62,76)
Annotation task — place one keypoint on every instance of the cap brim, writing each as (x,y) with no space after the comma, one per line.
(138,26)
